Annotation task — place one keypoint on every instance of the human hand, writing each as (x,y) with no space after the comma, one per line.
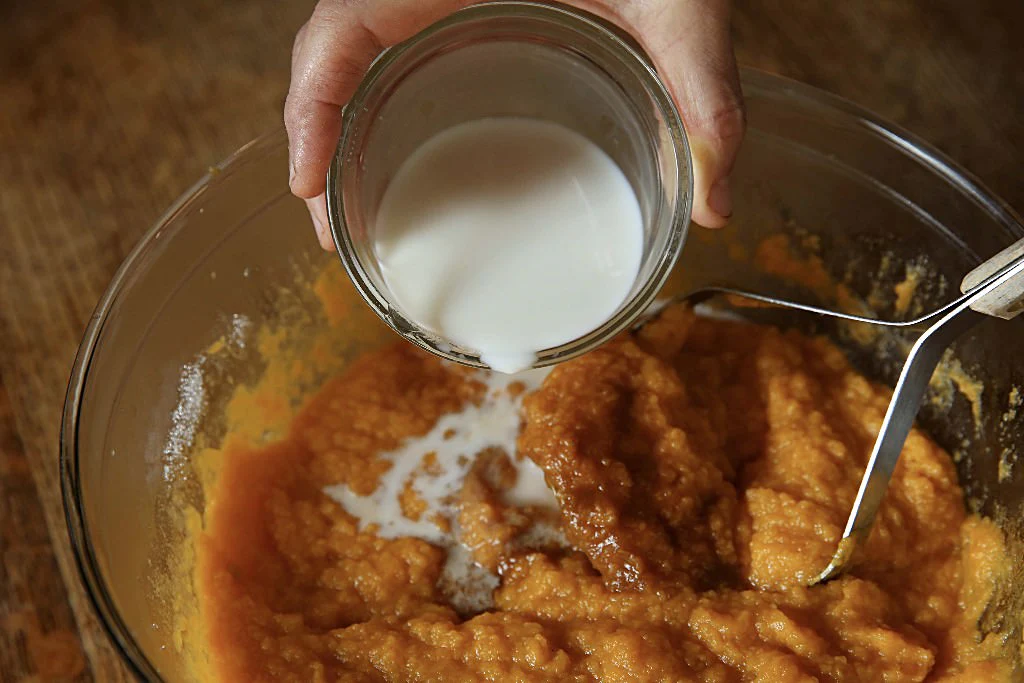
(688,40)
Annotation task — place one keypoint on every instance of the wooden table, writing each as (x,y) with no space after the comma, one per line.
(109,109)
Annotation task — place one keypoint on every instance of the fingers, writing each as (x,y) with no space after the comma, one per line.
(331,54)
(329,57)
(688,39)
(690,43)
(317,207)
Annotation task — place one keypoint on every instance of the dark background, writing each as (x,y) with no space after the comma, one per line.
(109,109)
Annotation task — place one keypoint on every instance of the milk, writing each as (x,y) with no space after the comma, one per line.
(455,440)
(509,236)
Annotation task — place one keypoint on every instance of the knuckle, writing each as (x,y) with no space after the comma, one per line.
(300,37)
(333,77)
(725,122)
(292,113)
(335,51)
(332,13)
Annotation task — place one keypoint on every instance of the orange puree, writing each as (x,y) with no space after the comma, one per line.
(703,471)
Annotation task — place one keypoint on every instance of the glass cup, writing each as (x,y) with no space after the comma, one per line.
(512,59)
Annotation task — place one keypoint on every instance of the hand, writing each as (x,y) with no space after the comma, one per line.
(688,40)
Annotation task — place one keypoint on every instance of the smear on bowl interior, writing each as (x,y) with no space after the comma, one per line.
(697,475)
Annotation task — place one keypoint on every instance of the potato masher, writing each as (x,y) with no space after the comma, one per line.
(995,288)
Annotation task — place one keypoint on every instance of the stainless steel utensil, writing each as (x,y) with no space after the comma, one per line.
(995,288)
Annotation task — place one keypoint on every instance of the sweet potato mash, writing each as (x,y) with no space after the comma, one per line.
(703,471)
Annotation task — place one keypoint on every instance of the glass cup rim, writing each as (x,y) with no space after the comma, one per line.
(649,80)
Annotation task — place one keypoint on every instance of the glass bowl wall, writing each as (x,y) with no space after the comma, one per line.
(234,245)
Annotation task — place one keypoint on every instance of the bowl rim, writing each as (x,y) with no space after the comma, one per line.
(89,572)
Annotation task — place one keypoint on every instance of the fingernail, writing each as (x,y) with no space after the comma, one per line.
(321,231)
(291,171)
(323,236)
(318,213)
(720,198)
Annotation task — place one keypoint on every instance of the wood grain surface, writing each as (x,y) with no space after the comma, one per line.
(111,108)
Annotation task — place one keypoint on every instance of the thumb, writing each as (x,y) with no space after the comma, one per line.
(690,44)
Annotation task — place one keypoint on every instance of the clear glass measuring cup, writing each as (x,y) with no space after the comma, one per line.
(512,59)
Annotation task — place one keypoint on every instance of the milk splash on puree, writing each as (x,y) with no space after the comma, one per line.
(509,236)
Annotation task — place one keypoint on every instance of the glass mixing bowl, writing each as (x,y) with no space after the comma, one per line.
(236,253)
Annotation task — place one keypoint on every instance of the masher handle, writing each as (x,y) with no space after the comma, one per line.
(994,288)
(1006,300)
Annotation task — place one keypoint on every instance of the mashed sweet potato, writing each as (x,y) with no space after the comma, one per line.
(703,471)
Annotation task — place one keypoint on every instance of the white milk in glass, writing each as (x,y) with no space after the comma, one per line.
(509,236)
